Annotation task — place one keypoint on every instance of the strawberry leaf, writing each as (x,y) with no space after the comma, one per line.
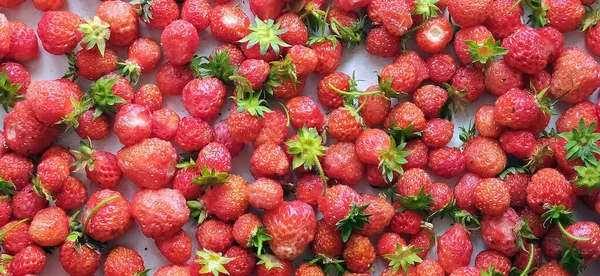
(326,263)
(144,9)
(8,91)
(72,71)
(402,134)
(486,52)
(510,170)
(210,177)
(187,164)
(427,9)
(350,36)
(588,177)
(524,232)
(581,142)
(103,97)
(404,257)
(491,271)
(84,158)
(71,120)
(96,33)
(466,219)
(355,219)
(258,238)
(266,35)
(571,259)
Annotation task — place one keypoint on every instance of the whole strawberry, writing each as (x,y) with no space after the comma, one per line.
(29,261)
(23,42)
(179,41)
(292,226)
(149,164)
(14,236)
(196,12)
(502,232)
(215,235)
(469,13)
(107,216)
(454,248)
(123,22)
(549,188)
(122,261)
(575,76)
(101,167)
(358,254)
(525,53)
(49,227)
(203,98)
(229,23)
(227,199)
(160,213)
(484,156)
(58,31)
(157,13)
(79,260)
(142,57)
(177,248)
(62,95)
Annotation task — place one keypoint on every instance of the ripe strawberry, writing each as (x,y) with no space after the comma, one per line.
(441,68)
(227,201)
(412,182)
(196,12)
(24,134)
(17,74)
(518,143)
(534,221)
(215,156)
(548,187)
(48,5)
(424,239)
(61,94)
(249,232)
(429,267)
(179,41)
(575,76)
(160,213)
(288,89)
(58,31)
(177,248)
(72,195)
(30,260)
(215,235)
(380,42)
(405,221)
(11,3)
(516,109)
(26,203)
(341,163)
(243,126)
(330,97)
(404,115)
(491,196)
(309,270)
(171,79)
(469,84)
(5,210)
(499,262)
(551,268)
(23,42)
(521,258)
(164,124)
(149,96)
(14,236)
(92,128)
(173,270)
(157,13)
(396,17)
(553,42)
(380,214)
(500,78)
(503,231)
(525,53)
(92,64)
(269,265)
(292,226)
(328,240)
(79,259)
(267,9)
(309,189)
(255,71)
(468,13)
(375,108)
(49,227)
(454,248)
(222,136)
(401,76)
(359,254)
(438,133)
(585,230)
(305,59)
(122,261)
(51,174)
(123,22)
(446,162)
(269,160)
(504,19)
(107,215)
(297,32)
(485,123)
(193,134)
(430,99)
(242,262)
(484,156)
(570,118)
(303,111)
(517,187)
(418,154)
(265,193)
(274,129)
(343,126)
(434,35)
(132,124)
(111,92)
(229,23)
(142,57)
(329,54)
(16,169)
(204,97)
(151,154)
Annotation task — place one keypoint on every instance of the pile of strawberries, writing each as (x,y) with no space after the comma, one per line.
(518,177)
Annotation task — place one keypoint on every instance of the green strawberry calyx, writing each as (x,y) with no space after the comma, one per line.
(8,91)
(266,35)
(402,134)
(540,153)
(96,33)
(486,52)
(84,158)
(143,273)
(457,101)
(254,103)
(187,164)
(590,18)
(524,232)
(491,271)
(559,215)
(144,9)
(427,9)
(570,258)
(198,211)
(103,97)
(258,238)
(466,219)
(209,177)
(537,18)
(588,177)
(581,143)
(404,257)
(418,203)
(39,189)
(326,262)
(467,133)
(306,151)
(352,35)
(130,70)
(392,160)
(212,262)
(71,120)
(218,66)
(7,188)
(355,219)
(72,71)
(281,71)
(269,261)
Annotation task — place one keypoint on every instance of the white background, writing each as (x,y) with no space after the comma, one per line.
(48,66)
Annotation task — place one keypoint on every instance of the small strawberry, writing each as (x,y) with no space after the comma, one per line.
(242,262)
(193,134)
(215,235)
(157,13)
(123,22)
(11,3)
(122,261)
(467,86)
(265,193)
(91,64)
(441,68)
(491,258)
(494,157)
(551,268)
(92,128)
(406,116)
(160,213)
(292,226)
(15,170)
(504,19)
(269,265)
(328,240)
(23,43)
(570,118)
(469,13)
(329,86)
(516,109)
(227,198)
(429,267)
(222,136)
(138,160)
(274,129)
(109,93)
(485,124)
(370,145)
(297,32)
(58,31)
(447,162)
(329,54)
(309,188)
(196,12)
(402,77)
(203,97)
(107,216)
(380,42)
(454,248)
(380,214)
(438,133)
(132,124)
(359,254)
(26,203)
(14,236)
(249,232)
(505,232)
(251,72)
(72,195)
(405,221)
(303,111)
(267,9)
(101,167)
(171,270)
(309,270)
(525,53)
(30,260)
(17,75)
(179,41)
(49,227)
(434,36)
(64,98)
(229,23)
(77,259)
(269,160)
(177,248)
(565,16)
(305,59)
(500,78)
(396,17)
(142,57)
(171,78)
(149,96)
(517,186)
(548,188)
(375,108)
(342,163)
(48,5)
(418,154)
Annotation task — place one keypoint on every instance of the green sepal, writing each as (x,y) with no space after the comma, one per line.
(570,258)
(314,19)
(269,261)
(198,211)
(313,39)
(72,69)
(467,133)
(524,232)
(212,262)
(486,52)
(71,120)
(266,35)
(350,36)
(418,203)
(280,71)
(557,215)
(326,263)
(306,151)
(403,134)
(84,158)
(581,142)
(590,18)
(217,66)
(466,219)
(545,104)
(254,103)
(491,271)
(96,32)
(427,9)
(588,177)
(102,96)
(258,238)
(355,219)
(144,10)
(130,70)
(404,257)
(537,18)
(210,177)
(143,273)
(457,101)
(510,170)
(537,158)
(7,188)
(8,91)
(187,164)
(392,160)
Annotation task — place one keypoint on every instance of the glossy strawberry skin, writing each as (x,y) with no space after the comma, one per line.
(304,111)
(122,260)
(229,23)
(171,79)
(446,162)
(438,133)
(193,134)
(72,195)
(180,41)
(83,262)
(579,85)
(16,169)
(123,20)
(341,162)
(23,43)
(164,124)
(133,124)
(227,201)
(58,31)
(288,239)
(145,52)
(160,213)
(442,68)
(30,260)
(26,203)
(471,80)
(17,239)
(297,32)
(501,263)
(17,73)
(488,164)
(501,77)
(41,93)
(215,235)
(454,249)
(94,129)
(222,136)
(516,109)
(523,52)
(548,187)
(136,161)
(469,13)
(375,109)
(359,253)
(329,55)
(520,144)
(49,227)
(381,43)
(435,35)
(329,97)
(177,248)
(498,231)
(196,12)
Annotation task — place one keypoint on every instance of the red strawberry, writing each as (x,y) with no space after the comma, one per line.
(484,156)
(149,164)
(215,235)
(269,265)
(72,195)
(405,221)
(92,64)
(564,15)
(500,78)
(359,253)
(222,136)
(329,54)
(469,84)
(48,5)
(504,19)
(341,163)
(575,76)
(179,41)
(123,22)
(196,12)
(469,13)
(441,68)
(11,3)
(380,211)
(101,167)
(570,118)
(249,232)
(229,23)
(429,267)
(343,126)
(438,133)
(164,124)
(30,260)
(132,124)
(292,226)
(425,239)
(79,259)
(370,144)
(454,248)
(303,111)
(402,77)
(418,154)
(485,123)
(309,270)
(590,231)
(551,268)
(265,193)
(157,13)
(553,42)
(305,59)
(49,227)
(171,78)
(149,96)
(5,35)
(17,74)
(405,114)
(491,196)
(171,270)
(142,57)
(5,210)
(61,94)
(92,128)
(269,160)
(242,262)
(501,232)
(58,31)
(375,108)
(548,188)
(499,262)
(227,201)
(380,42)
(204,97)
(193,134)
(330,97)
(23,42)
(177,248)
(255,71)
(52,173)
(14,236)
(447,162)
(111,218)
(309,189)
(274,129)
(328,240)
(516,109)
(16,169)
(522,257)
(396,17)
(297,32)
(525,53)
(123,261)
(160,213)
(517,186)
(267,9)
(26,203)
(434,35)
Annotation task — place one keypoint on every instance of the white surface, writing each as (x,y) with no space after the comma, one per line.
(366,66)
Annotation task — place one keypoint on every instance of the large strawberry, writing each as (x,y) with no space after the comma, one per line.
(575,76)
(58,31)
(122,20)
(101,167)
(160,213)
(123,261)
(227,198)
(454,248)
(107,216)
(179,41)
(149,164)
(525,53)
(564,15)
(292,226)
(157,13)
(24,134)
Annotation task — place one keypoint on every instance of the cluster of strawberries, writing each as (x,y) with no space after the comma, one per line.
(519,190)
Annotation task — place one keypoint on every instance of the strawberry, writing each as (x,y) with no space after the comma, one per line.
(551,268)
(328,240)
(269,265)
(160,213)
(122,261)
(535,221)
(11,3)
(227,201)
(24,134)
(215,156)
(255,72)
(305,59)
(553,42)
(14,236)
(359,253)
(177,248)
(500,78)
(447,162)
(249,232)
(584,237)
(292,226)
(343,125)
(171,270)
(418,154)
(438,133)
(429,267)
(92,128)
(229,23)
(329,54)
(157,13)
(380,211)
(370,144)
(441,67)
(193,134)
(430,99)
(30,260)
(424,239)
(5,210)
(491,196)
(525,53)
(142,57)
(48,5)
(570,118)
(265,193)
(551,242)
(196,12)
(412,57)
(303,111)
(405,221)
(79,259)
(467,13)
(517,187)
(564,15)
(149,96)
(404,115)
(297,32)
(51,174)
(16,170)
(467,86)
(222,136)
(454,248)
(23,42)
(107,216)
(484,156)
(58,31)
(518,143)
(402,77)
(149,154)
(164,124)
(516,109)
(242,262)
(309,270)
(570,84)
(341,163)
(309,189)
(329,86)
(485,123)
(179,41)
(375,108)
(215,235)
(92,64)
(499,262)
(396,17)
(171,78)
(274,129)
(132,124)
(269,160)
(17,74)
(123,22)
(26,203)
(267,9)
(64,97)
(521,259)
(380,42)
(504,19)
(504,232)
(548,188)
(49,227)
(186,173)
(72,195)
(434,35)
(111,92)
(203,97)
(341,202)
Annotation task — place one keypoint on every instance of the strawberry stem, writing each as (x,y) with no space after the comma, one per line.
(96,208)
(3,232)
(525,271)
